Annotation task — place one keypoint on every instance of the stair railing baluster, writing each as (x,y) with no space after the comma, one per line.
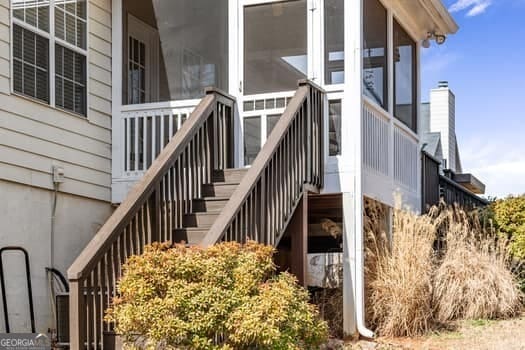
(153,208)
(293,147)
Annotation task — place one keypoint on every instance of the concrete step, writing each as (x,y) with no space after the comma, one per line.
(219,189)
(205,219)
(209,204)
(190,235)
(229,175)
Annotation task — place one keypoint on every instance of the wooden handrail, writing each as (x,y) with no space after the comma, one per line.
(291,162)
(151,211)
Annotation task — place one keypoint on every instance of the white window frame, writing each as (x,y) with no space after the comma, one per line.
(52,39)
(322,47)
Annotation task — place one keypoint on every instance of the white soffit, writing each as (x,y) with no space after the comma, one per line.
(422,16)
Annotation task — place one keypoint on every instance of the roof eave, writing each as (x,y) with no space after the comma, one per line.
(441,16)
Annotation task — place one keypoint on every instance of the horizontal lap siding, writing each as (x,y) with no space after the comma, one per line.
(34,137)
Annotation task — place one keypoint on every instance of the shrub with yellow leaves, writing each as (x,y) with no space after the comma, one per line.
(227,296)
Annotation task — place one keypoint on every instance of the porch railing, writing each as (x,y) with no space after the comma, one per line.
(376,139)
(151,211)
(406,157)
(147,130)
(290,163)
(390,149)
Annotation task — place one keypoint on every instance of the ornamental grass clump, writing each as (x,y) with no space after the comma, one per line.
(400,284)
(473,279)
(438,267)
(227,296)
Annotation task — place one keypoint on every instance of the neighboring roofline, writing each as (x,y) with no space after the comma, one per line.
(430,156)
(439,13)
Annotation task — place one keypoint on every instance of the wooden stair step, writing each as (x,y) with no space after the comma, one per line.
(190,235)
(229,175)
(209,204)
(204,219)
(219,189)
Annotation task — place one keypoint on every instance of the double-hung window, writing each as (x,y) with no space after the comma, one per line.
(49,52)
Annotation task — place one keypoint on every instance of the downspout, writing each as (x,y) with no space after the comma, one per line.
(359,256)
(357,20)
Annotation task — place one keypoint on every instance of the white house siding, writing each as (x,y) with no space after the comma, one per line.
(33,138)
(25,214)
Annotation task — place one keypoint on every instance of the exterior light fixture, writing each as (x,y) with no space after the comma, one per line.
(426,42)
(439,38)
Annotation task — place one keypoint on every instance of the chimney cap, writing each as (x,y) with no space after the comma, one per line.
(443,84)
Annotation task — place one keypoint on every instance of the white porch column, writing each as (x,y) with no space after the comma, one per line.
(117,133)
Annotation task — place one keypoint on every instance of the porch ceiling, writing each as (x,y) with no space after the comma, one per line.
(424,16)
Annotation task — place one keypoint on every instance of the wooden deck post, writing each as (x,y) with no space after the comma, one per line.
(298,229)
(77,310)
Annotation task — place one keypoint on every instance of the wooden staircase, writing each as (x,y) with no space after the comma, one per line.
(191,193)
(205,210)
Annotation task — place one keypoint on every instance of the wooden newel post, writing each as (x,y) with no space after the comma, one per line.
(77,310)
(299,234)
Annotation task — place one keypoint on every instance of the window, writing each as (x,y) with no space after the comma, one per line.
(405,94)
(70,80)
(375,52)
(334,39)
(334,128)
(36,39)
(30,64)
(136,71)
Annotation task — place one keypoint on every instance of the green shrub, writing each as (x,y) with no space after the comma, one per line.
(509,219)
(508,216)
(224,297)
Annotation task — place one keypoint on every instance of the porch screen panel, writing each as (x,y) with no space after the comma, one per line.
(334,127)
(275,46)
(194,45)
(271,121)
(404,77)
(252,139)
(334,41)
(375,62)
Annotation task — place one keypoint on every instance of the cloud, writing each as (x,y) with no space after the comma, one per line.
(499,164)
(476,7)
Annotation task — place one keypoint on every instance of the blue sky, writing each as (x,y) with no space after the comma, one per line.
(484,63)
